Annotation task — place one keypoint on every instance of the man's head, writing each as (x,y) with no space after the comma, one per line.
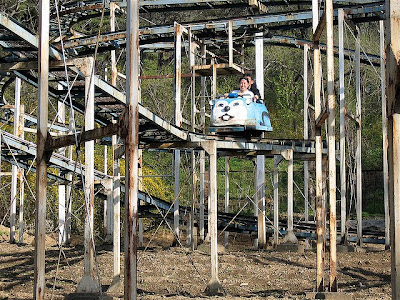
(249,78)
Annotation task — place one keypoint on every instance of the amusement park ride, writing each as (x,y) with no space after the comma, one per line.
(236,114)
(137,126)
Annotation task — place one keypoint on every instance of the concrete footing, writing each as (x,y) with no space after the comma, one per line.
(88,285)
(290,237)
(346,248)
(354,248)
(88,296)
(329,295)
(289,247)
(214,288)
(116,286)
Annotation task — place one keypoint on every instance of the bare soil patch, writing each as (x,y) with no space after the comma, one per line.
(176,273)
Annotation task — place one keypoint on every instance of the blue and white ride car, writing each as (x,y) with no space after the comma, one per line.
(237,114)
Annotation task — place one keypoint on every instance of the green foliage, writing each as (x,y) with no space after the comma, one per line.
(284,91)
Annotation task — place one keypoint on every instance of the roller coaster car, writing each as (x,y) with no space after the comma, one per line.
(236,114)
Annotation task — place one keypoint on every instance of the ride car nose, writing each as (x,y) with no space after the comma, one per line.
(226,108)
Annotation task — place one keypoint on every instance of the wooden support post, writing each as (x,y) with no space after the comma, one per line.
(21,127)
(359,141)
(178,121)
(194,198)
(384,135)
(131,151)
(203,89)
(320,214)
(177,74)
(116,178)
(214,79)
(114,71)
(116,193)
(230,43)
(226,203)
(277,160)
(68,218)
(393,111)
(177,174)
(140,232)
(305,114)
(192,47)
(202,153)
(109,211)
(255,203)
(13,208)
(260,199)
(290,237)
(202,193)
(331,146)
(343,202)
(105,202)
(260,177)
(214,286)
(108,203)
(61,187)
(41,164)
(14,168)
(88,283)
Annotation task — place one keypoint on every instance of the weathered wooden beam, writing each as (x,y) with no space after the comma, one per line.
(320,121)
(318,156)
(88,135)
(131,151)
(393,111)
(320,28)
(343,180)
(41,169)
(384,136)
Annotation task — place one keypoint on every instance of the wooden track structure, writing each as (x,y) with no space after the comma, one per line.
(117,114)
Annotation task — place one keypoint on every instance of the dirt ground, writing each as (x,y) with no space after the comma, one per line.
(175,273)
